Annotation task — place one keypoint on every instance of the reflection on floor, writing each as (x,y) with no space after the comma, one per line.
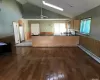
(49,64)
(26,43)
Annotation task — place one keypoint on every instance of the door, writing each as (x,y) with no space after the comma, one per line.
(16,32)
(35,30)
(21,32)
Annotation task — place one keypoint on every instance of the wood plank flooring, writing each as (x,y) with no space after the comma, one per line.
(49,64)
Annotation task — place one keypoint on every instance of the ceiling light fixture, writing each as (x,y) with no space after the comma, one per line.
(53,6)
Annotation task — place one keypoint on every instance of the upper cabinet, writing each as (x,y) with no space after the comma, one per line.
(72,24)
(75,24)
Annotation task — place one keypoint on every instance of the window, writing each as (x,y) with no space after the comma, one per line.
(85,26)
(59,28)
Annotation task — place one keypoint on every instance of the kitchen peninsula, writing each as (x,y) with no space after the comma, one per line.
(55,40)
(52,33)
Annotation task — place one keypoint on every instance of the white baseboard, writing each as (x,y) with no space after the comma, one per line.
(90,53)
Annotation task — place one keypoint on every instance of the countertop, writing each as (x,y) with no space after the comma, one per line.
(58,35)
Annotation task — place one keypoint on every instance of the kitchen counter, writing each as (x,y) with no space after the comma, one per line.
(58,35)
(55,40)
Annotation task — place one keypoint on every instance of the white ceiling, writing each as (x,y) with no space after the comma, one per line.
(79,6)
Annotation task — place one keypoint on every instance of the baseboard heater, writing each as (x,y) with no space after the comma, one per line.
(90,53)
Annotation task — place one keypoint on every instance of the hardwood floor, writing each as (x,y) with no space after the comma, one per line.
(49,64)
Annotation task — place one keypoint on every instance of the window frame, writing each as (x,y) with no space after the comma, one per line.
(59,26)
(90,25)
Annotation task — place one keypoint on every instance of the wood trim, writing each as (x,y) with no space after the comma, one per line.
(90,44)
(46,33)
(8,39)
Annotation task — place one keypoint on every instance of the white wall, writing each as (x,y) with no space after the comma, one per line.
(9,12)
(46,26)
